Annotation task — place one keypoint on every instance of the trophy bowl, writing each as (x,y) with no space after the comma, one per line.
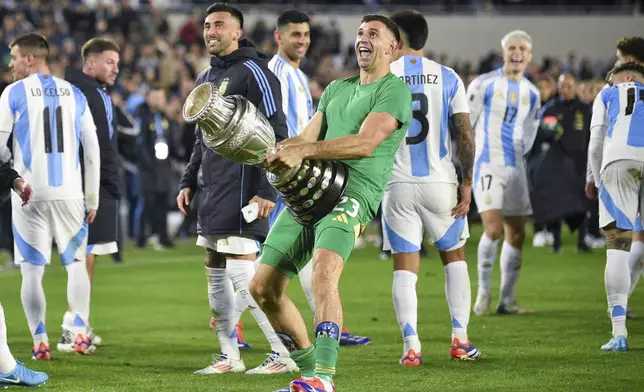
(234,128)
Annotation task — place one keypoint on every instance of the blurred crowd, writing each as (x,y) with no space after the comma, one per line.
(154,57)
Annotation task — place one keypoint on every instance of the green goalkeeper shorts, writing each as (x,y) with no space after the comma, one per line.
(290,245)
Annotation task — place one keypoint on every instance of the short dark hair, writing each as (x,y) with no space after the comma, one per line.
(629,66)
(414,26)
(32,43)
(632,46)
(292,16)
(98,46)
(225,7)
(391,26)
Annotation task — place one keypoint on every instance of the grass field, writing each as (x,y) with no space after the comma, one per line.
(152,313)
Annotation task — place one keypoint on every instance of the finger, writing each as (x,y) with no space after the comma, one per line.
(265,212)
(187,199)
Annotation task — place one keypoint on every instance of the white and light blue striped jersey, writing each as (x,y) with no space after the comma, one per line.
(505,117)
(297,102)
(620,110)
(50,119)
(425,155)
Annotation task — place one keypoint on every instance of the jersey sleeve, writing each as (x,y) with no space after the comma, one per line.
(598,126)
(600,114)
(394,98)
(92,158)
(326,97)
(264,92)
(459,101)
(6,112)
(476,98)
(531,123)
(6,124)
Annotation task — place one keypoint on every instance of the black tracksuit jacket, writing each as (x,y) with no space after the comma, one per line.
(228,186)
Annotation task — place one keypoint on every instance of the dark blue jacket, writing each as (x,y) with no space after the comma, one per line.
(228,186)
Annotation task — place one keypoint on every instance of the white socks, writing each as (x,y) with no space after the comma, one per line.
(7,361)
(618,280)
(406,306)
(78,295)
(33,301)
(487,249)
(306,281)
(510,268)
(240,273)
(221,297)
(635,257)
(459,297)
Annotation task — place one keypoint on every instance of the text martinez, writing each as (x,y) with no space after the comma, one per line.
(420,79)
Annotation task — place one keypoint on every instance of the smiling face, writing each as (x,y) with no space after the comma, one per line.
(221,33)
(516,55)
(294,40)
(375,45)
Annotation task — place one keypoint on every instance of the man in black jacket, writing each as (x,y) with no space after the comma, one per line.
(558,173)
(154,151)
(100,69)
(231,243)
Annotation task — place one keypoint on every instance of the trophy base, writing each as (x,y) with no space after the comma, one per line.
(312,190)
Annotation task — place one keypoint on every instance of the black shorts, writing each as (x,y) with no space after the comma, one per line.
(105,226)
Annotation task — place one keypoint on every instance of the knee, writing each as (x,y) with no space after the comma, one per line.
(262,293)
(215,259)
(515,238)
(494,231)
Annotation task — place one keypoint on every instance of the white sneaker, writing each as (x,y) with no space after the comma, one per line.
(275,364)
(540,239)
(482,304)
(222,364)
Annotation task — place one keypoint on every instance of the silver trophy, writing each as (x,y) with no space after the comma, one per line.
(234,128)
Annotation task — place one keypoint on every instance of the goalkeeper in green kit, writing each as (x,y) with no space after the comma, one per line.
(363,120)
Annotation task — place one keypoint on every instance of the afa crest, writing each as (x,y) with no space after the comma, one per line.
(223,86)
(513,97)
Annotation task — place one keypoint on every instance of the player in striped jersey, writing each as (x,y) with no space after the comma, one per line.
(504,109)
(617,162)
(50,119)
(422,192)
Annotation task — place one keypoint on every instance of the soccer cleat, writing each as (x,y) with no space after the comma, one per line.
(512,308)
(222,364)
(22,375)
(540,239)
(66,342)
(630,314)
(464,350)
(96,340)
(618,343)
(349,339)
(239,331)
(42,352)
(482,304)
(275,364)
(83,345)
(313,384)
(411,359)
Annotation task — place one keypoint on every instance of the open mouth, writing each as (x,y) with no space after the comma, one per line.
(516,60)
(213,41)
(363,52)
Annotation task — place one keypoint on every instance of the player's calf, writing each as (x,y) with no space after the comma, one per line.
(617,281)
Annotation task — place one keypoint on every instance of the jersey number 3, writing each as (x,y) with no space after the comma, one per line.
(59,129)
(419,115)
(630,100)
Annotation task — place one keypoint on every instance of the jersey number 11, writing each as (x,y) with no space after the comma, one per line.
(630,100)
(59,129)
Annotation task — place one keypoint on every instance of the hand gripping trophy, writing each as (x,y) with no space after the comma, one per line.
(234,128)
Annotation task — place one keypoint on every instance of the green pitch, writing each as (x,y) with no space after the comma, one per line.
(152,313)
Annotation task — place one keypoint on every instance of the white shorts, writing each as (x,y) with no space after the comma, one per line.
(229,244)
(621,195)
(37,223)
(106,248)
(408,208)
(502,188)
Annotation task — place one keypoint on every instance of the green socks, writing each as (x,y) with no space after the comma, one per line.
(305,360)
(327,349)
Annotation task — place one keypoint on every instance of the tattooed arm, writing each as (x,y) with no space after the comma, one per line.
(465,143)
